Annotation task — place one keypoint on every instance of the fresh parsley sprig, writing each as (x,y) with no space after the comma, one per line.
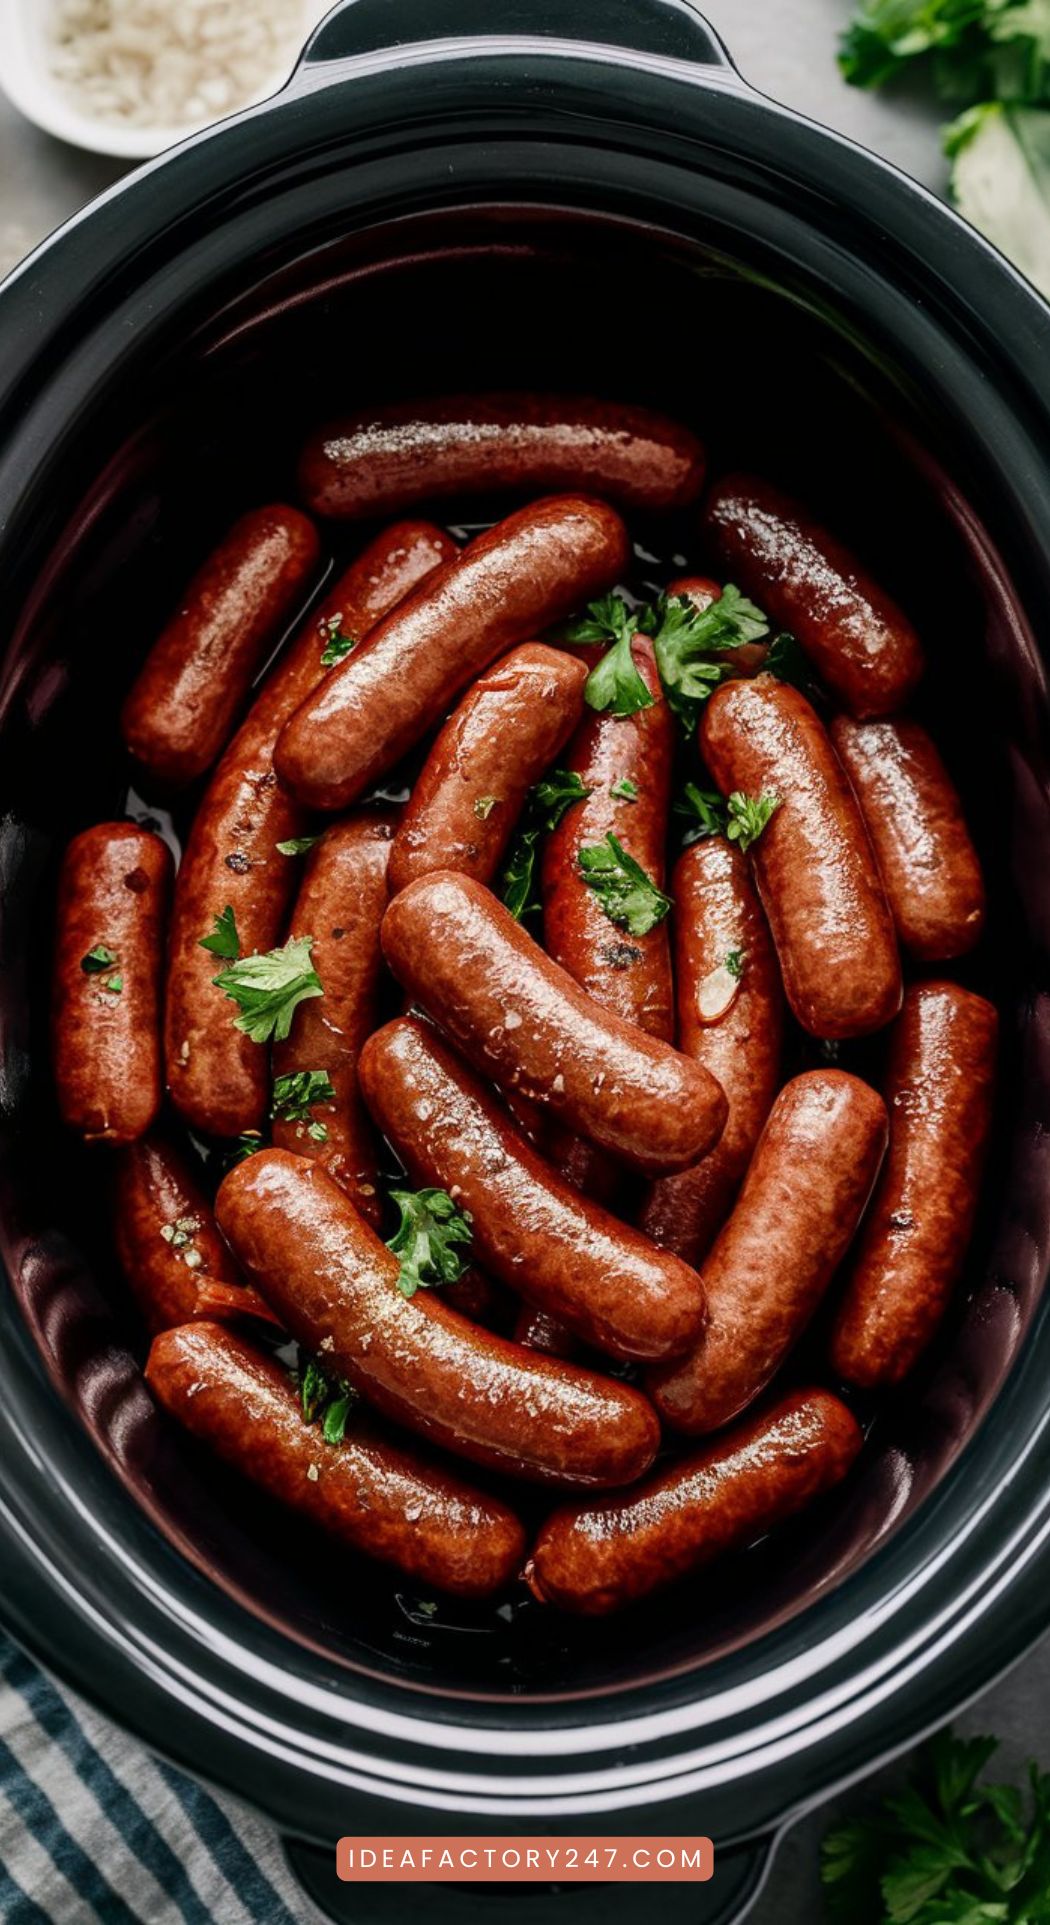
(616,683)
(947,1850)
(269,988)
(628,896)
(687,642)
(426,1239)
(741,818)
(224,940)
(548,801)
(294,1096)
(748,815)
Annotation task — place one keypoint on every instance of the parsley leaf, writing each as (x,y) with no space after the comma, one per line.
(97,959)
(616,683)
(624,790)
(224,940)
(748,816)
(685,638)
(331,1402)
(294,1095)
(555,794)
(313,1390)
(424,1240)
(268,989)
(548,801)
(484,805)
(115,984)
(624,890)
(946,1848)
(338,644)
(704,810)
(297,846)
(519,872)
(245,1146)
(333,1424)
(734,961)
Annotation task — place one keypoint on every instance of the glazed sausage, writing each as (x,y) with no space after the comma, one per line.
(509,728)
(858,640)
(341,906)
(803,1197)
(600,1557)
(218,1078)
(564,1253)
(538,1330)
(816,873)
(376,1496)
(928,864)
(113,892)
(182,705)
(939,1091)
(168,1242)
(335,1286)
(730,1018)
(630,975)
(394,457)
(527,572)
(525,1023)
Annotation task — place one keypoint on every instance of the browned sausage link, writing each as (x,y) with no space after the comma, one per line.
(335,1286)
(529,571)
(391,458)
(341,906)
(182,705)
(168,1242)
(507,730)
(563,1252)
(746,659)
(939,1091)
(803,1197)
(374,1495)
(914,817)
(525,1022)
(630,975)
(218,1078)
(816,872)
(730,1018)
(601,1557)
(858,640)
(113,892)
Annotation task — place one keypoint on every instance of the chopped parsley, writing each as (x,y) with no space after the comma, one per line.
(484,805)
(734,961)
(294,1095)
(704,811)
(297,845)
(688,640)
(748,816)
(547,804)
(616,683)
(425,1239)
(224,940)
(115,984)
(268,989)
(245,1146)
(625,892)
(98,959)
(555,794)
(337,643)
(331,1402)
(624,790)
(518,878)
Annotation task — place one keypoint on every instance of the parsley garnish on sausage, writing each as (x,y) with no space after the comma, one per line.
(624,790)
(338,644)
(320,1397)
(424,1240)
(224,940)
(268,989)
(688,640)
(625,892)
(294,1095)
(296,846)
(703,809)
(741,819)
(616,683)
(547,803)
(748,816)
(97,959)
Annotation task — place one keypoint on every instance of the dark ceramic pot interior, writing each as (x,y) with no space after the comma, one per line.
(490,299)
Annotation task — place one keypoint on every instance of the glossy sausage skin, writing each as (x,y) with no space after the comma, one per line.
(562,1252)
(218,1078)
(168,1242)
(939,1091)
(113,892)
(529,571)
(376,1496)
(334,1285)
(733,1026)
(600,1557)
(180,710)
(803,1197)
(630,975)
(395,457)
(814,865)
(341,905)
(859,641)
(523,1021)
(927,861)
(508,729)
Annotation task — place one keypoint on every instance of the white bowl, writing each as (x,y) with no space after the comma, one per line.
(26,78)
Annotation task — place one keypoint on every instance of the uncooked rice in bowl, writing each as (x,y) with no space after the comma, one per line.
(175,63)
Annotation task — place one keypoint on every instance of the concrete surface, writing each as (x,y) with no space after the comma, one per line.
(785,48)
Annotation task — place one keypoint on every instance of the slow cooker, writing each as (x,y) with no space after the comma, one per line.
(589,198)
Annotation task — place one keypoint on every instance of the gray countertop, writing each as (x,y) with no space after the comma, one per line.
(786,49)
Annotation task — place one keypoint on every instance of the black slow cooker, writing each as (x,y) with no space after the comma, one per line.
(429,206)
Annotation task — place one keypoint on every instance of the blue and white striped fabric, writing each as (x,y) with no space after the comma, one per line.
(95,1831)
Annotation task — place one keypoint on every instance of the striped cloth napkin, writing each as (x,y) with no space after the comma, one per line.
(96,1831)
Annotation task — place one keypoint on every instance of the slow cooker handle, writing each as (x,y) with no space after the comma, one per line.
(671,28)
(740,1871)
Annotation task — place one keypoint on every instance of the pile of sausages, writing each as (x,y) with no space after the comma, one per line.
(606,1109)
